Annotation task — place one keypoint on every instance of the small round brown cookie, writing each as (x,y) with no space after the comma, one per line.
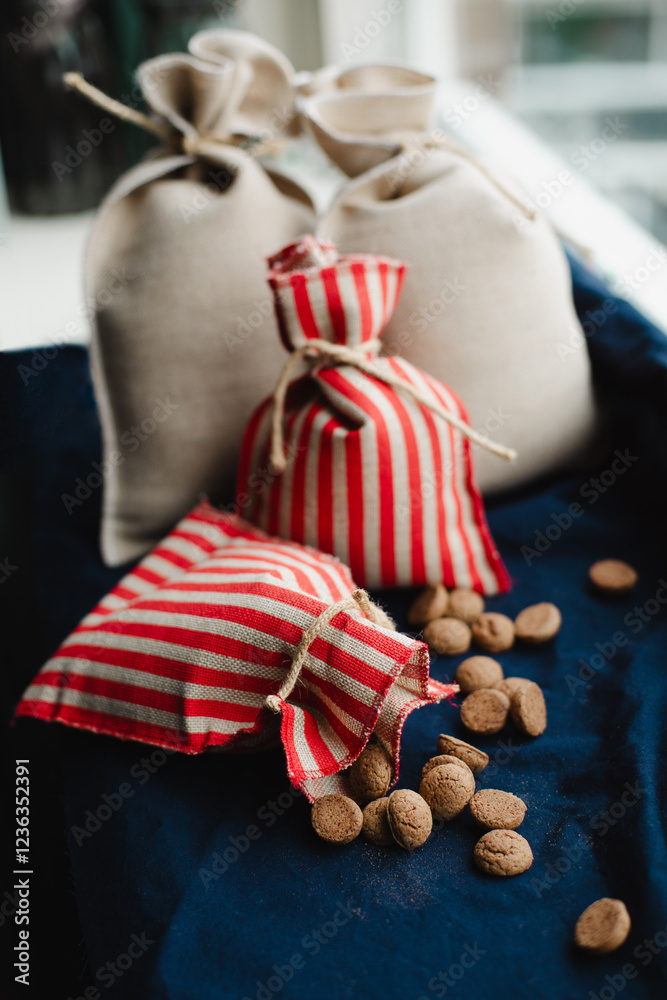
(431,604)
(448,789)
(528,709)
(538,623)
(478,672)
(611,576)
(465,604)
(485,711)
(603,926)
(497,810)
(493,633)
(376,824)
(448,636)
(410,818)
(503,852)
(370,775)
(474,758)
(511,684)
(336,819)
(444,758)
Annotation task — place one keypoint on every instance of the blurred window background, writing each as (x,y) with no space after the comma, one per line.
(563,66)
(581,63)
(587,78)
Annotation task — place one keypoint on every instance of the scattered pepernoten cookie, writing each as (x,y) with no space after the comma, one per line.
(603,926)
(465,604)
(443,758)
(528,709)
(376,824)
(485,711)
(511,684)
(503,852)
(410,818)
(448,789)
(474,758)
(493,632)
(612,576)
(497,810)
(336,819)
(478,672)
(448,636)
(370,775)
(431,604)
(538,623)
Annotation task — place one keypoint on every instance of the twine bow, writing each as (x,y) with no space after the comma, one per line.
(358,598)
(319,351)
(191,145)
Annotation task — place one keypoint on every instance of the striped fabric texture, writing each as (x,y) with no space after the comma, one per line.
(372,475)
(185,649)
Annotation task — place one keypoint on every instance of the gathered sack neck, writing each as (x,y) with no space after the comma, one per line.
(333,310)
(364,117)
(231,89)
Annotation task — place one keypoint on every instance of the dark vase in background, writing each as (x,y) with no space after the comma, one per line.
(172,22)
(56,156)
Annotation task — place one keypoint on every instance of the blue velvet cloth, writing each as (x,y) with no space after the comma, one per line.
(201,879)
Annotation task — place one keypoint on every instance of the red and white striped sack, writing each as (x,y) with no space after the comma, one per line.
(344,457)
(192,649)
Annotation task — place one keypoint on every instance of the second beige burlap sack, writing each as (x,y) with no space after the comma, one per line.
(487,301)
(185,344)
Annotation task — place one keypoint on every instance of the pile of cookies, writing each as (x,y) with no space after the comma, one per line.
(491,698)
(454,620)
(406,817)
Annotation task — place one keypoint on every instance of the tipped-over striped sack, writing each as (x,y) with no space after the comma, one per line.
(363,456)
(225,638)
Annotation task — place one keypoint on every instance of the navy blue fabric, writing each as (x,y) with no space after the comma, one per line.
(200,878)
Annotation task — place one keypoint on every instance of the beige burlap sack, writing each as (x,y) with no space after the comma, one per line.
(185,343)
(487,296)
